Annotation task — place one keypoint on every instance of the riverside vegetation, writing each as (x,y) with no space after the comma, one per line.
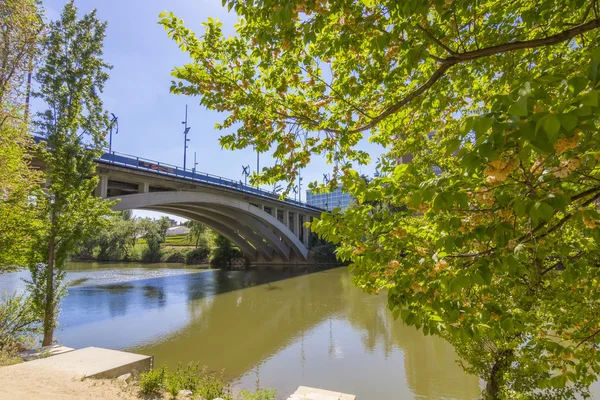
(128,239)
(197,382)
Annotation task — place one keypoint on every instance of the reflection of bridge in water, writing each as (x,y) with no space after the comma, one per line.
(246,322)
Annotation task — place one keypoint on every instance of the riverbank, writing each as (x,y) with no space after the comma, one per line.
(32,384)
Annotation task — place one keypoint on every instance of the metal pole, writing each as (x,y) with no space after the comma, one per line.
(185,139)
(195,163)
(299,187)
(114,120)
(257,164)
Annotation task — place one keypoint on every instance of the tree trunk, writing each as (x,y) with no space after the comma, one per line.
(496,379)
(49,306)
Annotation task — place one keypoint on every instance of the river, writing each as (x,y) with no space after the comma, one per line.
(263,328)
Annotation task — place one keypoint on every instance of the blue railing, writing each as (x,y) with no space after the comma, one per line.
(139,163)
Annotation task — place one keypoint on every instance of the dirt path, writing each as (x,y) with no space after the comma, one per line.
(18,383)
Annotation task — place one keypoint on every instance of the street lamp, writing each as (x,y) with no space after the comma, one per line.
(299,187)
(113,121)
(185,133)
(326,179)
(246,173)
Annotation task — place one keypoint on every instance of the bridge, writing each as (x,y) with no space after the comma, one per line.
(264,227)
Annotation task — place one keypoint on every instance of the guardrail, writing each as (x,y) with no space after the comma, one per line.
(159,168)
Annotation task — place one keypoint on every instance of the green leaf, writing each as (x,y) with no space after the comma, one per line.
(482,124)
(452,145)
(552,126)
(568,121)
(543,211)
(577,84)
(519,107)
(590,99)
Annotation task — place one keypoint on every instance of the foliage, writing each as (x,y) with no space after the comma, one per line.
(9,358)
(192,378)
(264,394)
(197,256)
(489,236)
(152,382)
(212,386)
(114,241)
(20,26)
(154,235)
(224,252)
(197,233)
(173,255)
(19,320)
(70,82)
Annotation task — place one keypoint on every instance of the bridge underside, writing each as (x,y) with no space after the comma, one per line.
(262,237)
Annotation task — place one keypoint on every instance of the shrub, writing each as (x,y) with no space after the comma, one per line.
(19,321)
(153,381)
(213,386)
(197,256)
(172,255)
(183,379)
(265,394)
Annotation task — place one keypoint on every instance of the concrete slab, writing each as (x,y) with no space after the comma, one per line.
(308,393)
(93,362)
(44,352)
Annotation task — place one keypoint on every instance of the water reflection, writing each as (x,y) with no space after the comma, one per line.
(272,329)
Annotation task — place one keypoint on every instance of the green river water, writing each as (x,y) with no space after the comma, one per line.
(263,328)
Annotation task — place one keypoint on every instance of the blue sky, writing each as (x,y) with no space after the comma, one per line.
(138,90)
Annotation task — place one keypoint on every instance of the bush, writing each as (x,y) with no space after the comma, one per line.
(213,386)
(19,321)
(199,382)
(183,379)
(173,255)
(197,256)
(265,394)
(153,381)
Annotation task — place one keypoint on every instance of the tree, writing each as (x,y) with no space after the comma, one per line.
(74,125)
(197,232)
(20,26)
(489,236)
(154,232)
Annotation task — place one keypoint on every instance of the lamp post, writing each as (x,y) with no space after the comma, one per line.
(113,121)
(299,187)
(186,130)
(195,164)
(326,179)
(246,173)
(257,165)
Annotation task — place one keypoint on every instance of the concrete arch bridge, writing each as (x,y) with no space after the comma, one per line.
(265,228)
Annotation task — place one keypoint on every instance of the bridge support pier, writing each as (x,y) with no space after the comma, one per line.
(305,231)
(102,188)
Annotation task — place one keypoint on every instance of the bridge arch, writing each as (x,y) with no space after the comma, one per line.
(206,206)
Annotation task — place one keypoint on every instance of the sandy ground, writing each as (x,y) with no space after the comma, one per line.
(17,383)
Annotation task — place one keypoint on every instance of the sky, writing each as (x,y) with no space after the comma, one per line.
(138,89)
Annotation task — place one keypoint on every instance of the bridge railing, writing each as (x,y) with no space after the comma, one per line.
(158,167)
(173,170)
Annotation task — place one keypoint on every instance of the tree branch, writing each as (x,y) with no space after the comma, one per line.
(458,58)
(436,40)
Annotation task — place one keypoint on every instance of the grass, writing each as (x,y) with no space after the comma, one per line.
(9,358)
(160,381)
